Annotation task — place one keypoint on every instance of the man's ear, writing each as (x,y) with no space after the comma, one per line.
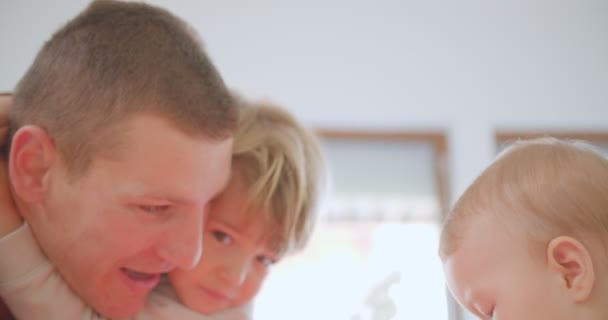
(31,157)
(572,262)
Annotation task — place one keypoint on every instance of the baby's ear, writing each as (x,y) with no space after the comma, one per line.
(571,260)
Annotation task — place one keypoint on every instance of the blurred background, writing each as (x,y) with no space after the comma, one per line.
(412,99)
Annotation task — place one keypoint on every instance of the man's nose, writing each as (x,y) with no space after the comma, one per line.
(183,244)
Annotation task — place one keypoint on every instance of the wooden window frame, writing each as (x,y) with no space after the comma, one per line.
(437,139)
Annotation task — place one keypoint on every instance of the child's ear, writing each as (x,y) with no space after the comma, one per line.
(30,160)
(572,262)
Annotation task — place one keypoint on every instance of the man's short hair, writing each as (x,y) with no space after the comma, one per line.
(112,61)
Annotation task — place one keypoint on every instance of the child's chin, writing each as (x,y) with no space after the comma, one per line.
(208,309)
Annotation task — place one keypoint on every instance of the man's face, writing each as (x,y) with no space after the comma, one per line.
(131,216)
(495,276)
(237,255)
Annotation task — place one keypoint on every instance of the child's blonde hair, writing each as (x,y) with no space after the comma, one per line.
(283,168)
(546,186)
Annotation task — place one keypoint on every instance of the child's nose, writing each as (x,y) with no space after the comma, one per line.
(184,243)
(234,271)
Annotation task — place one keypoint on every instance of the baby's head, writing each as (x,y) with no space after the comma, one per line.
(527,240)
(267,210)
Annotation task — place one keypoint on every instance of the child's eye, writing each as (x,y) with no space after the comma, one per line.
(222,237)
(266,261)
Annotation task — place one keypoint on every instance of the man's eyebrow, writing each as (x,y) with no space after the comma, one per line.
(168,198)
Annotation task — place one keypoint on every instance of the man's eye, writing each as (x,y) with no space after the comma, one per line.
(222,237)
(154,209)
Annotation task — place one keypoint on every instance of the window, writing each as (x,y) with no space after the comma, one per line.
(373,255)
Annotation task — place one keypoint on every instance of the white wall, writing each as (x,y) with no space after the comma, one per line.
(467,67)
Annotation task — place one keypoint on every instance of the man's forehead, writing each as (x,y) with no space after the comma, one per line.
(171,164)
(143,188)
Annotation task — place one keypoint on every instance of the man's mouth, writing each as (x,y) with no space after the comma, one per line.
(140,280)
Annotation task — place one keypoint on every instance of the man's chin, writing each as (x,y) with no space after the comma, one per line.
(121,308)
(123,298)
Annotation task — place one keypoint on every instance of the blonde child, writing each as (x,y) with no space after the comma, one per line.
(266,211)
(527,240)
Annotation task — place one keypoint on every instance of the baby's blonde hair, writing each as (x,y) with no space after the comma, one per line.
(283,170)
(546,186)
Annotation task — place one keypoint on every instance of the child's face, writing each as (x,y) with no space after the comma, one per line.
(236,256)
(494,276)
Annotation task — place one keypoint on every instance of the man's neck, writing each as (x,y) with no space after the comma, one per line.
(5,313)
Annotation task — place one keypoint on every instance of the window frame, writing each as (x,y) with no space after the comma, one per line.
(438,139)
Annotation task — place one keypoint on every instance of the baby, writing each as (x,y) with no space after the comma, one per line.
(527,240)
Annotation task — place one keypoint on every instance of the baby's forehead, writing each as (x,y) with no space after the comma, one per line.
(476,258)
(485,235)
